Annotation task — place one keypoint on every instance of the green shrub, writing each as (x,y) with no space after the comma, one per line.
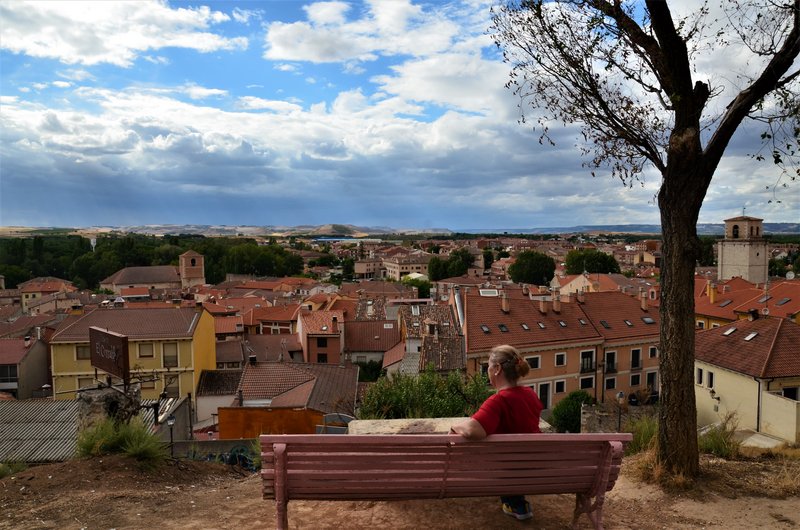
(427,395)
(719,440)
(644,431)
(566,415)
(9,468)
(133,439)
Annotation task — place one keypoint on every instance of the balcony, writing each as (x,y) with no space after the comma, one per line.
(587,367)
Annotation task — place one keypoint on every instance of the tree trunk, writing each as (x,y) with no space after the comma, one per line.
(681,195)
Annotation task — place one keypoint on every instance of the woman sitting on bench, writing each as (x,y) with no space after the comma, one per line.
(512,409)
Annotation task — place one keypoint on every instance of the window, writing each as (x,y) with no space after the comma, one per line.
(503,328)
(628,323)
(587,361)
(648,320)
(751,336)
(171,387)
(582,321)
(484,328)
(485,369)
(611,383)
(234,365)
(85,382)
(605,324)
(8,373)
(82,352)
(636,380)
(361,358)
(698,376)
(611,362)
(714,326)
(653,352)
(146,349)
(220,366)
(541,325)
(561,359)
(525,326)
(560,387)
(587,382)
(170,354)
(322,342)
(151,384)
(322,358)
(636,358)
(534,362)
(562,323)
(701,324)
(710,379)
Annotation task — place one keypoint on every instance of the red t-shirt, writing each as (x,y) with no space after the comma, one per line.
(512,410)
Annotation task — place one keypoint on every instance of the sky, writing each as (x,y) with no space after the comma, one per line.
(384,113)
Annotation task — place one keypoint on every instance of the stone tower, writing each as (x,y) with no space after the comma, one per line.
(191,269)
(743,252)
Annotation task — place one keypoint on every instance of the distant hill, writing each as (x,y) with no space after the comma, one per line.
(346,230)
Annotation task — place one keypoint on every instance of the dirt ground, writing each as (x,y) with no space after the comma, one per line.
(112,492)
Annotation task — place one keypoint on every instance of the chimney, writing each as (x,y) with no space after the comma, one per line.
(504,306)
(581,296)
(643,298)
(556,300)
(712,293)
(543,306)
(524,288)
(38,333)
(253,359)
(753,314)
(27,340)
(240,395)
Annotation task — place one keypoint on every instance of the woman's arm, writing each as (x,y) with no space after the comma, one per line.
(469,429)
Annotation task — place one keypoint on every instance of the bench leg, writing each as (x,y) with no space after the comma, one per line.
(593,510)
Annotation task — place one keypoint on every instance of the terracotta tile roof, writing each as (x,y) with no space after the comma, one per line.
(9,311)
(542,328)
(725,303)
(135,323)
(772,352)
(218,382)
(134,291)
(280,313)
(377,288)
(229,351)
(242,304)
(267,285)
(334,386)
(228,324)
(781,299)
(371,336)
(347,306)
(26,324)
(216,309)
(622,314)
(269,347)
(444,353)
(371,308)
(12,351)
(51,286)
(151,275)
(321,322)
(394,355)
(414,318)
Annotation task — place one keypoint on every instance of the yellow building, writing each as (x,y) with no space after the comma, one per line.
(168,349)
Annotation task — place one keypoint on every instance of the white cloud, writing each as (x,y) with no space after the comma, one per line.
(62,84)
(243,16)
(198,92)
(156,59)
(285,67)
(391,28)
(91,33)
(75,75)
(253,103)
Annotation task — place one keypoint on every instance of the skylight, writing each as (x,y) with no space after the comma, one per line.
(488,292)
(782,301)
(725,303)
(751,336)
(628,323)
(562,323)
(764,298)
(525,326)
(484,328)
(541,325)
(648,320)
(605,324)
(503,328)
(582,321)
(729,331)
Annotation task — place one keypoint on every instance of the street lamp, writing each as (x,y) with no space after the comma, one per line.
(621,401)
(171,424)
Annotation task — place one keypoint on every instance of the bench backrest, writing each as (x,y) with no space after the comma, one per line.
(382,467)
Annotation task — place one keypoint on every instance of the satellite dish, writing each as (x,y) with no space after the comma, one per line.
(765,311)
(790,275)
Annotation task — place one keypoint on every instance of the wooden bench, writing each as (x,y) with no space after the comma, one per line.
(388,467)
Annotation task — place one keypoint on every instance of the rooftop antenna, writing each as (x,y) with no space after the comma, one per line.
(743,210)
